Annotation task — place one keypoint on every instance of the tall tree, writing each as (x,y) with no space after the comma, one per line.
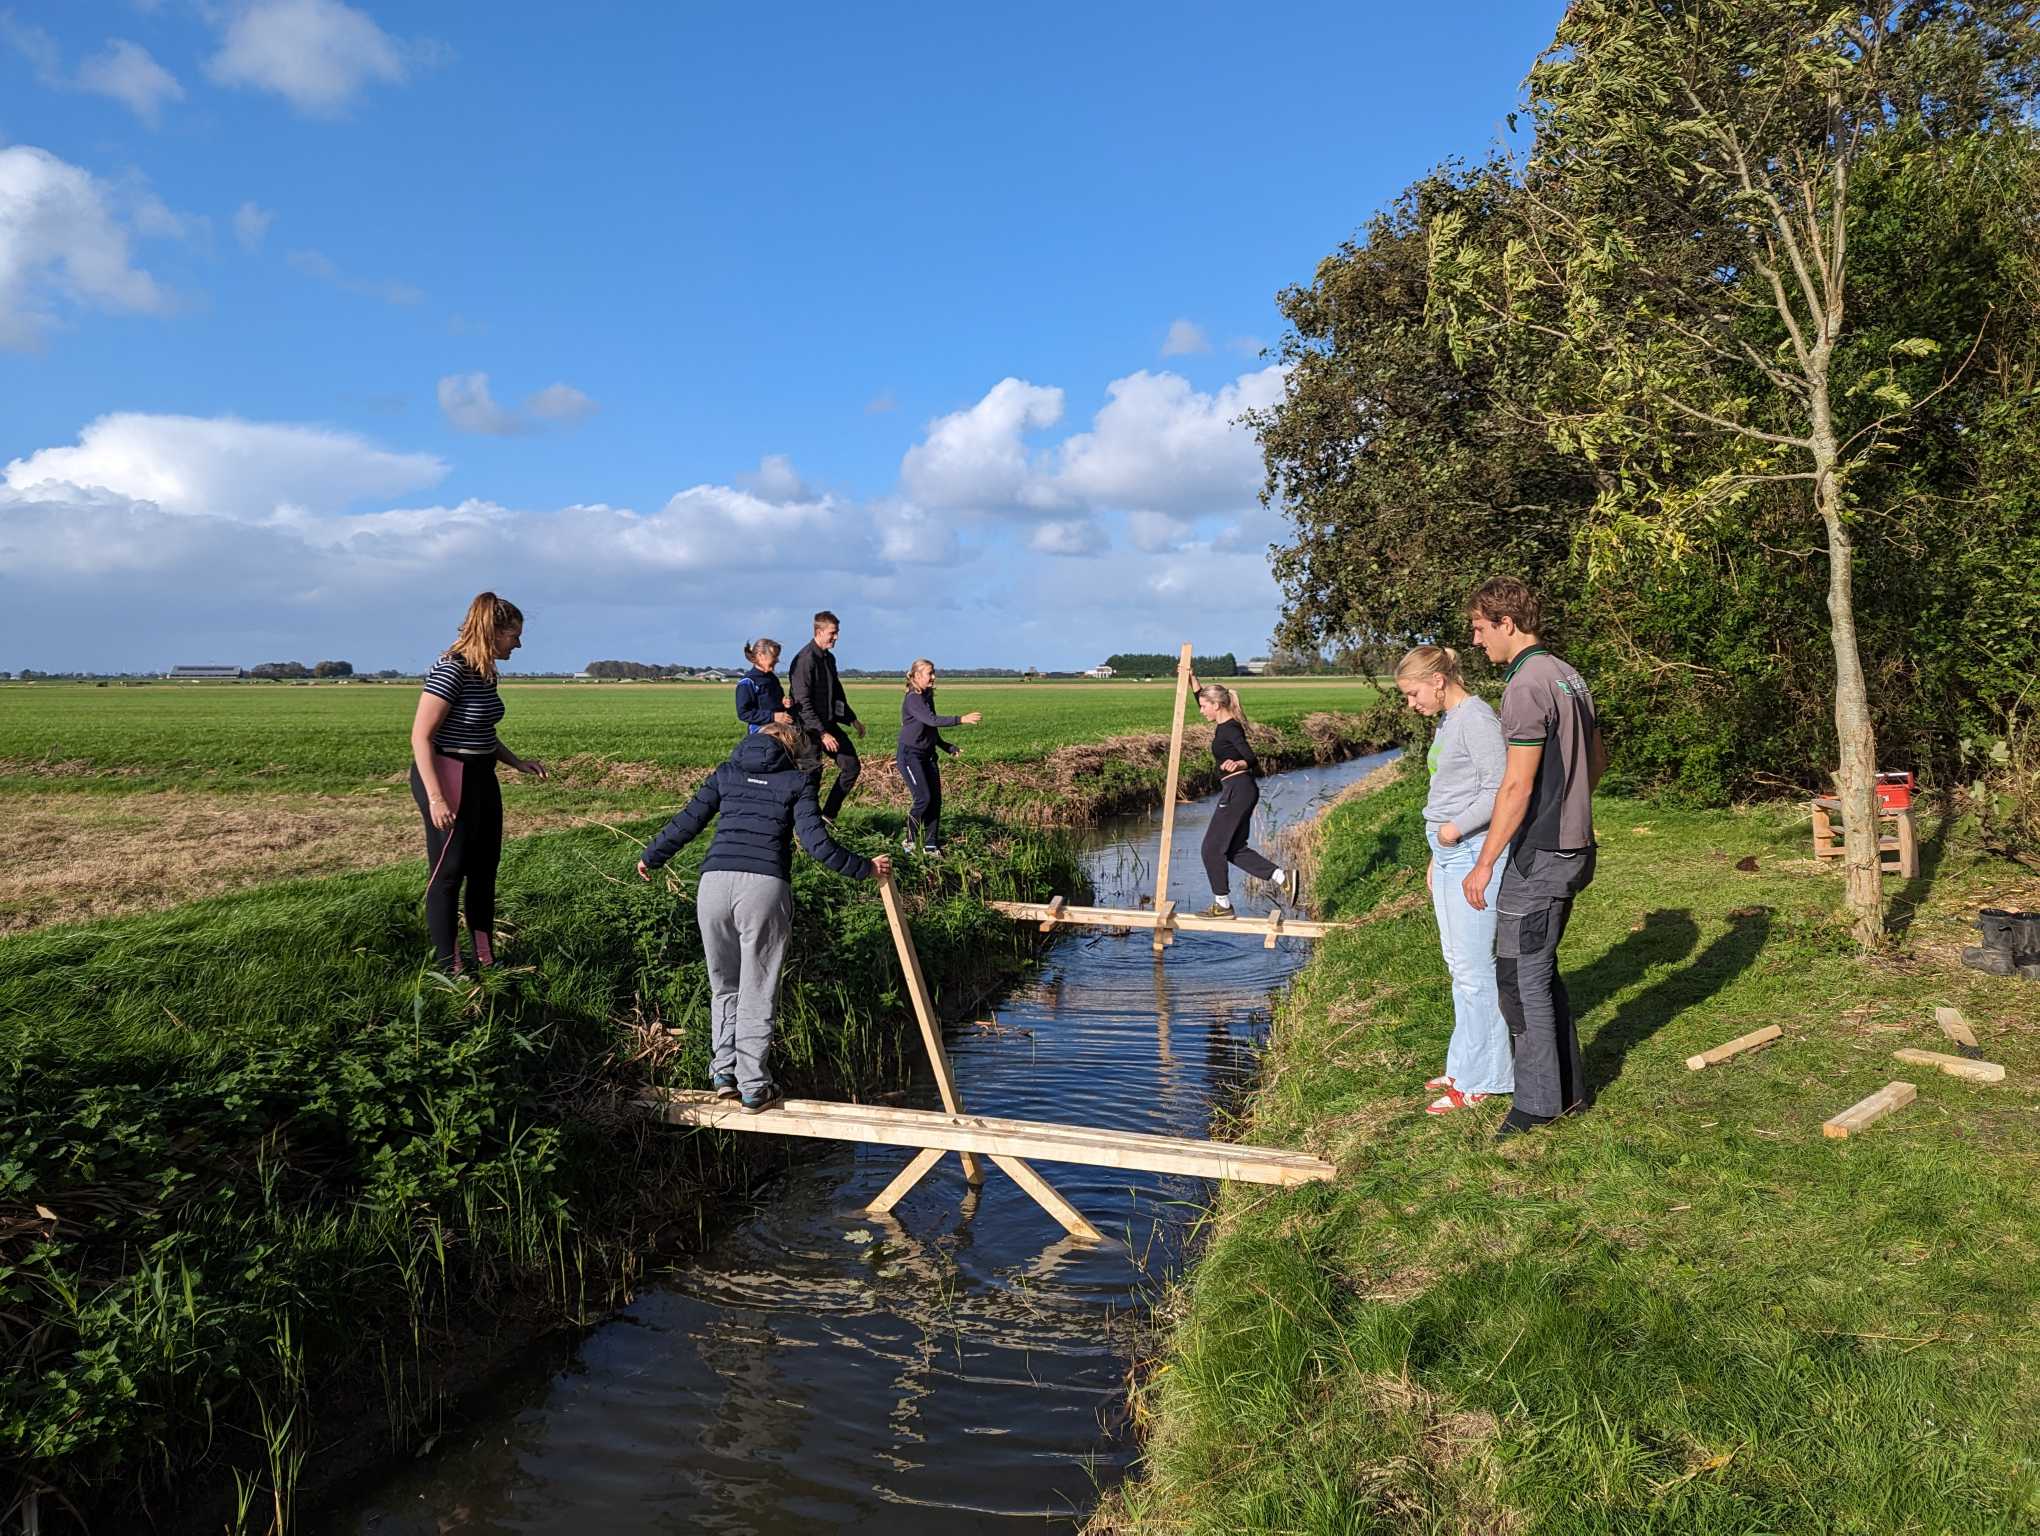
(1682,247)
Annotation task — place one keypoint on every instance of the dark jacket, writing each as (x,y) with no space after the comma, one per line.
(759,800)
(818,702)
(921,727)
(1229,744)
(759,698)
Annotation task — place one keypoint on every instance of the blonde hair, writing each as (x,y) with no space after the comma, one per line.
(489,619)
(914,671)
(1224,700)
(782,733)
(755,648)
(1431,661)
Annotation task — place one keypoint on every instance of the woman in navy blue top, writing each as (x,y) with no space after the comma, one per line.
(920,739)
(760,698)
(454,752)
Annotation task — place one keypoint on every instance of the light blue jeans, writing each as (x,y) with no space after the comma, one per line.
(1478,1059)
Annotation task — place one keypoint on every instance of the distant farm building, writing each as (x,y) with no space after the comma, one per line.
(1256,666)
(213,673)
(1101,671)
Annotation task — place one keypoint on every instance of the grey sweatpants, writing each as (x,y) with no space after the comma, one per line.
(745,920)
(1532,908)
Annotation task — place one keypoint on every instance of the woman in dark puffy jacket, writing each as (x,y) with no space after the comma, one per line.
(920,739)
(759,801)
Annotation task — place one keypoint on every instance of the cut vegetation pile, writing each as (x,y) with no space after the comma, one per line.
(1686,1311)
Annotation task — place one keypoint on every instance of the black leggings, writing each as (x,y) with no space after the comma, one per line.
(468,852)
(848,766)
(924,779)
(1225,840)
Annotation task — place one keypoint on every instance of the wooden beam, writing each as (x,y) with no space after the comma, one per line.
(1886,1100)
(924,1014)
(1162,935)
(1165,924)
(1045,1196)
(922,1164)
(1183,922)
(1055,908)
(885,1125)
(1954,1066)
(1954,1026)
(1274,928)
(1735,1047)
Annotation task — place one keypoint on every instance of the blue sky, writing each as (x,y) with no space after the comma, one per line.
(674,323)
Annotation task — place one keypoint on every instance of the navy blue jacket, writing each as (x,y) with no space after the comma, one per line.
(759,800)
(921,727)
(759,698)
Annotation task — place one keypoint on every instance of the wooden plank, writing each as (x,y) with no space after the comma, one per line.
(1165,924)
(1184,922)
(1735,1047)
(1954,1026)
(884,1125)
(1865,1112)
(924,1014)
(1162,935)
(1954,1066)
(1274,928)
(922,1163)
(1044,1194)
(1055,908)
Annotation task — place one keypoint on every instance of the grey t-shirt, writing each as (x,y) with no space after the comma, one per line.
(1545,703)
(1466,762)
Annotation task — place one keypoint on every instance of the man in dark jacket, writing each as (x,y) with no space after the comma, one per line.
(760,799)
(821,710)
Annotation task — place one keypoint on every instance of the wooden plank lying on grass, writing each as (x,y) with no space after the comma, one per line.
(1886,1100)
(1954,1026)
(1186,922)
(1954,1066)
(992,1137)
(1735,1047)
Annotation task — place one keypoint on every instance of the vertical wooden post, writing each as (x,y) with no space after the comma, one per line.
(1163,911)
(924,1013)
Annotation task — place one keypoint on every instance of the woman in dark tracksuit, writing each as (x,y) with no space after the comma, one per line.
(920,740)
(1225,840)
(454,752)
(760,699)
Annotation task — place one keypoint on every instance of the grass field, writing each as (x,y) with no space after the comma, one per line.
(1685,1311)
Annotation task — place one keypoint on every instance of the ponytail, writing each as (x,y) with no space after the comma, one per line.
(1432,661)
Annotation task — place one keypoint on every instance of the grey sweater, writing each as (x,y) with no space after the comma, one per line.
(1466,761)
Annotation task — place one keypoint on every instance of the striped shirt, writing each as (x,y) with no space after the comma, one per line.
(473,707)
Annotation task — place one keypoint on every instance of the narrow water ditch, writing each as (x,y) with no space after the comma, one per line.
(959,1367)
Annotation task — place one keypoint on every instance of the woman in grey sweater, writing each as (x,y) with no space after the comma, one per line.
(1466,760)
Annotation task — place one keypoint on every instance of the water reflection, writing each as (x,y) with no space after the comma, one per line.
(955,1366)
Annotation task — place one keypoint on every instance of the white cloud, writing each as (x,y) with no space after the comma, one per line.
(560,402)
(37,47)
(60,239)
(318,264)
(911,535)
(1157,532)
(130,75)
(468,404)
(1184,338)
(975,458)
(1162,445)
(251,225)
(1068,536)
(776,479)
(1248,346)
(316,54)
(225,467)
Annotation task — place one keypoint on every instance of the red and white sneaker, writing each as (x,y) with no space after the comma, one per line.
(1452,1099)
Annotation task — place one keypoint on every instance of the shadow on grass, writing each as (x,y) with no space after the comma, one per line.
(1664,938)
(1900,911)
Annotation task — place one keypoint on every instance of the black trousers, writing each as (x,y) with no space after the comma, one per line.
(848,766)
(1532,908)
(465,855)
(1225,840)
(924,781)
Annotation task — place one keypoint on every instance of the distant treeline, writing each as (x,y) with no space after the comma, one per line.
(1155,664)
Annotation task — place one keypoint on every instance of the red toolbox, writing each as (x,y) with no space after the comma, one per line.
(1894,791)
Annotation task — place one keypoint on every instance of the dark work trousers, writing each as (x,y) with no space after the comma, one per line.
(1532,908)
(1225,840)
(924,781)
(848,766)
(465,854)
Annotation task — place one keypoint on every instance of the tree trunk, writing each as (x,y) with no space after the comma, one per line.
(1856,777)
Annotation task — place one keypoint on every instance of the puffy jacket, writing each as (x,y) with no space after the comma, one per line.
(921,727)
(759,698)
(759,800)
(818,701)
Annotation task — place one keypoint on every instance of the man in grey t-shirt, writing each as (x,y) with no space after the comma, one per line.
(1544,818)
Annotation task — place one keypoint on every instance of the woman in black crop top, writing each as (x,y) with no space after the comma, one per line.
(1225,840)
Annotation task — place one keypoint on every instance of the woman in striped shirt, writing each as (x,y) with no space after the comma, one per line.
(454,752)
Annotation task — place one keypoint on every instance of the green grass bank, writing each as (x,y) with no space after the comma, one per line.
(262,1176)
(1685,1311)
